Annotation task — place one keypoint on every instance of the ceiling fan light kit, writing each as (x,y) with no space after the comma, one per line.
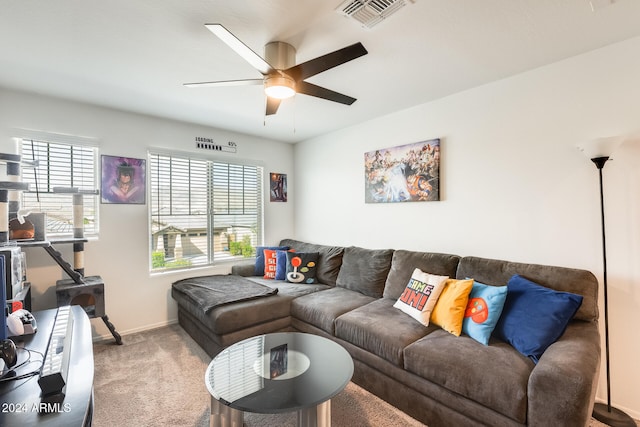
(281,77)
(279,87)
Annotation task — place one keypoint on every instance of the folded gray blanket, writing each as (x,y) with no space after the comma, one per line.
(213,291)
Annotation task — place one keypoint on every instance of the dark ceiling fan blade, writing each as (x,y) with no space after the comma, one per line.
(247,82)
(240,48)
(272,105)
(321,92)
(325,62)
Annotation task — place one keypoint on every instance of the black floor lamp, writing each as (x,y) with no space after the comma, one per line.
(599,151)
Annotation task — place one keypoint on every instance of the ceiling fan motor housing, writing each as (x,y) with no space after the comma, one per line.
(280,55)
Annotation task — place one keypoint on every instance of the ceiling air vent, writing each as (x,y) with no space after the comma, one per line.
(369,12)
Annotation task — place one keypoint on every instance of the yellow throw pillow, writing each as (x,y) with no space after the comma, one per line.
(449,310)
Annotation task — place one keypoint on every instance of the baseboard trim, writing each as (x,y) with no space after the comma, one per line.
(108,336)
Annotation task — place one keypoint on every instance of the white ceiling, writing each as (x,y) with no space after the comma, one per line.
(135,54)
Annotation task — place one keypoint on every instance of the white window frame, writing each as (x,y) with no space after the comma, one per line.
(194,210)
(48,173)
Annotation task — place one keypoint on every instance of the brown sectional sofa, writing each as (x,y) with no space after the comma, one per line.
(432,375)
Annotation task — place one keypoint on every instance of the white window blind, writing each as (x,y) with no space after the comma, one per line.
(58,165)
(201,210)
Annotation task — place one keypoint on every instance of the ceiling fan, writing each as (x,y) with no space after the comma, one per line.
(282,78)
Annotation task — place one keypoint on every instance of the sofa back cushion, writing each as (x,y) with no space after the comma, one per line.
(329,259)
(497,273)
(404,262)
(365,270)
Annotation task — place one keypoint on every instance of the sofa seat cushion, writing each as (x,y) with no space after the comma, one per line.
(290,289)
(321,309)
(495,376)
(381,329)
(240,315)
(365,270)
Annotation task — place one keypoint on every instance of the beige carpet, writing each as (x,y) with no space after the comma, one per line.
(156,378)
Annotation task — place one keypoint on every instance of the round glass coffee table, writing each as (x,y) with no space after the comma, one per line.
(275,373)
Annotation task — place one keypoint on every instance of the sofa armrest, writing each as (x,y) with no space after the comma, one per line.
(563,384)
(245,268)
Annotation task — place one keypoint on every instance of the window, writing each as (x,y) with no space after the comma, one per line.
(51,167)
(202,211)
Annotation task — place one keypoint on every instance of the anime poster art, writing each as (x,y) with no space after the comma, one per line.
(278,187)
(407,173)
(123,180)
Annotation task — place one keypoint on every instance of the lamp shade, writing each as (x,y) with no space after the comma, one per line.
(601,147)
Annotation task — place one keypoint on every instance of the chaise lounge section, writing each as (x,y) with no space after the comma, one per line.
(433,375)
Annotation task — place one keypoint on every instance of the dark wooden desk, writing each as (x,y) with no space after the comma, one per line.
(20,401)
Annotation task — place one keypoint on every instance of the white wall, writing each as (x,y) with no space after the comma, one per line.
(135,300)
(513,184)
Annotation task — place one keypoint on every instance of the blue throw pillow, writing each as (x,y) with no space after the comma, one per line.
(281,265)
(259,266)
(483,311)
(534,317)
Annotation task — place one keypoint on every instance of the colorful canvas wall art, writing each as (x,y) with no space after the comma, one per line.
(123,180)
(406,173)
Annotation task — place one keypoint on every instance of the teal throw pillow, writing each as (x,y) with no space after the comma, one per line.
(534,316)
(483,311)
